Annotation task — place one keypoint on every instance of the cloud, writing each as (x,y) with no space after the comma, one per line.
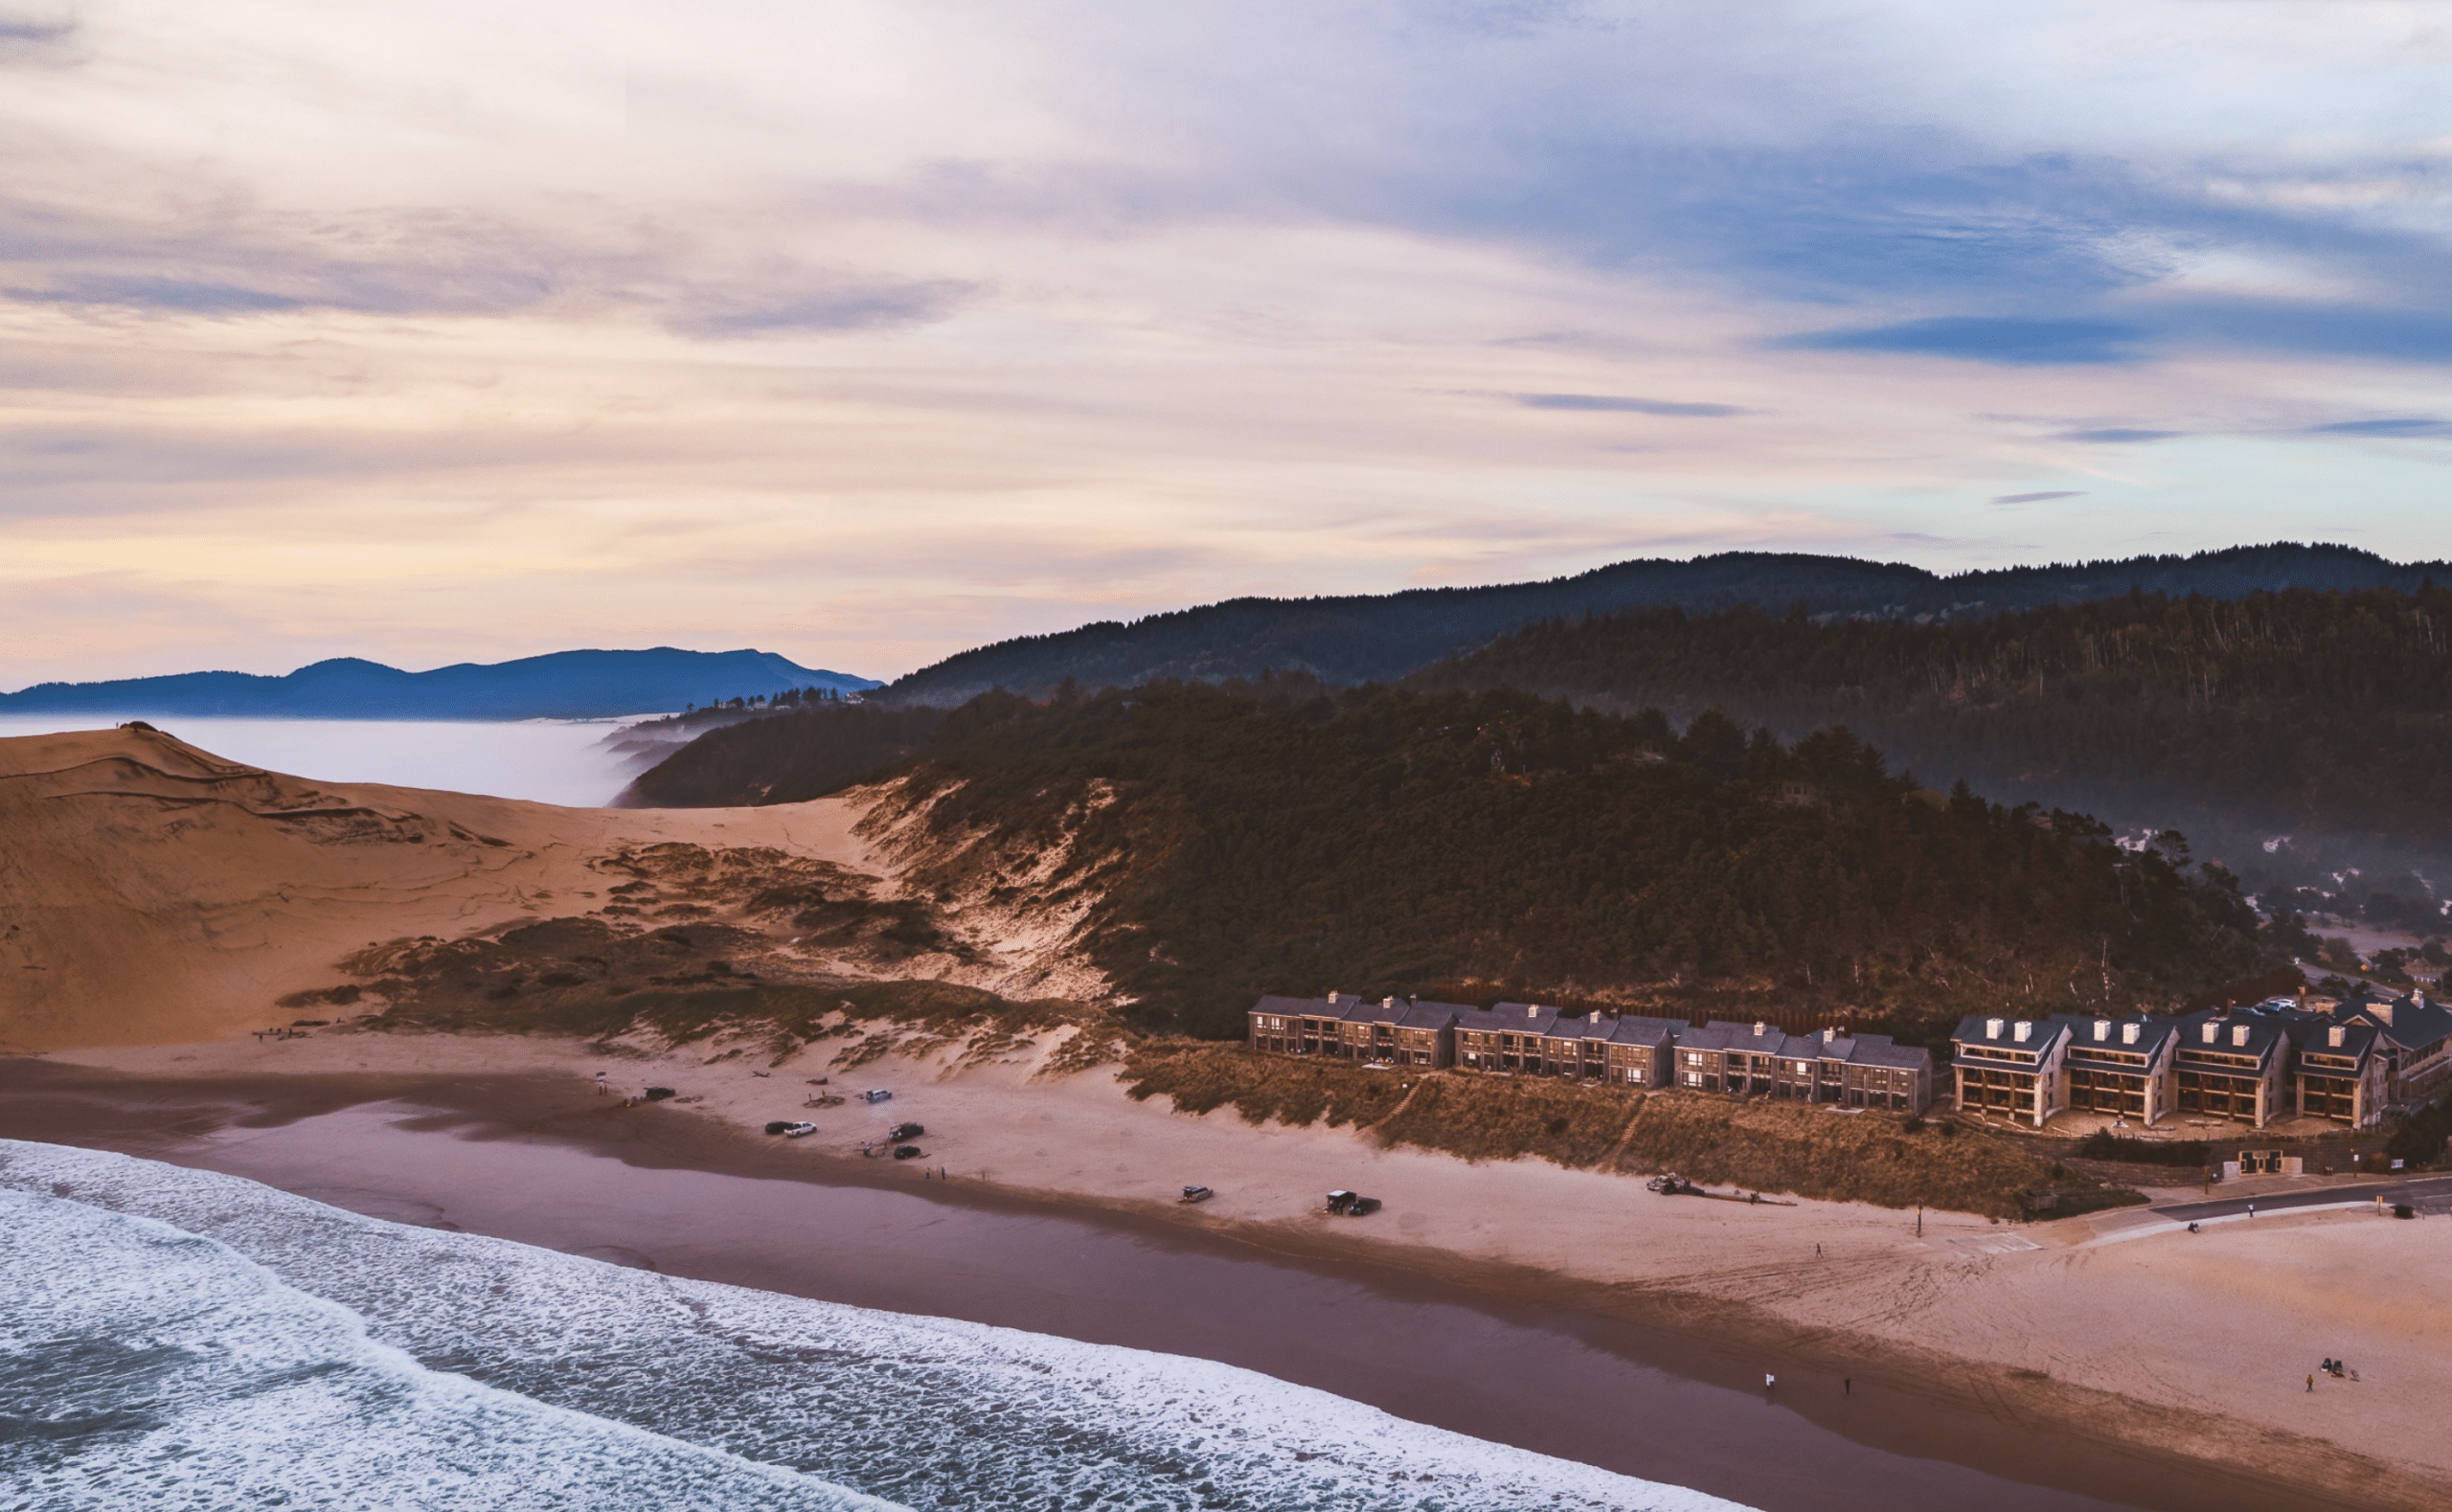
(1983,339)
(1622,405)
(852,306)
(2413,425)
(2039,498)
(2117,436)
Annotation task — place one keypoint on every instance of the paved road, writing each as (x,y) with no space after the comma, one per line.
(2436,1188)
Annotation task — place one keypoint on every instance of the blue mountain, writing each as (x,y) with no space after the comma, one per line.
(564,685)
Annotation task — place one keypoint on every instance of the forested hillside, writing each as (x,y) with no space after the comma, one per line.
(1279,839)
(786,757)
(2325,718)
(1369,637)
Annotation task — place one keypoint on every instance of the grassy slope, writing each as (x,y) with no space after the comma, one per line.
(1761,1146)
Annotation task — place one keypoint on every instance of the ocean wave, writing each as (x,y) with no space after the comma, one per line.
(931,1414)
(142,1366)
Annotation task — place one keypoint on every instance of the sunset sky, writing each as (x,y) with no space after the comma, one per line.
(866,331)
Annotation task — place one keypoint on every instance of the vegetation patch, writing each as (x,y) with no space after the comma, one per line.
(1807,1151)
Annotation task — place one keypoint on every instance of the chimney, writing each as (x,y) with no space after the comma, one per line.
(1531,1010)
(2382,1008)
(2239,1035)
(2102,1029)
(1829,1035)
(2213,1032)
(2128,1033)
(2335,1035)
(1991,1028)
(1760,1028)
(2021,1031)
(1390,1002)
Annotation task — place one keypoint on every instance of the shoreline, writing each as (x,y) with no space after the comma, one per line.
(2025,1426)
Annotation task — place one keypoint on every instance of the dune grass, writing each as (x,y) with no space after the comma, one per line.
(1804,1151)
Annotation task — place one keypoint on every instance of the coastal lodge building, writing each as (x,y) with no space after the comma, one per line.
(2251,1064)
(1527,1039)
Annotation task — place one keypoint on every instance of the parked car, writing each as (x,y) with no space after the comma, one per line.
(906,1131)
(876,1094)
(658,1094)
(799,1131)
(1362,1206)
(1198,1194)
(906,1152)
(778,1125)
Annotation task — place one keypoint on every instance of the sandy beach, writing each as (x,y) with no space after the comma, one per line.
(160,902)
(2186,1352)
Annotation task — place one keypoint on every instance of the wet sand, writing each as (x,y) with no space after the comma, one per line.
(1586,1372)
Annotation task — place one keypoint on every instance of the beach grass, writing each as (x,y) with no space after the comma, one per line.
(1761,1147)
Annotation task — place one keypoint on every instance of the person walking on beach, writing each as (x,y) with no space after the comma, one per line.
(1769,1379)
(1848,1384)
(600,1088)
(2311,1383)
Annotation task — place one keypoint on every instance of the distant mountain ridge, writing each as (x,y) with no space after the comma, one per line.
(561,685)
(1365,638)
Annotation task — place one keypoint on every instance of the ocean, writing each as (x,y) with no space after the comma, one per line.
(543,760)
(181,1339)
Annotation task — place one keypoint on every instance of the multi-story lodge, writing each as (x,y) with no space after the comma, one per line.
(2414,1039)
(2013,1067)
(2251,1064)
(1342,1026)
(1861,1070)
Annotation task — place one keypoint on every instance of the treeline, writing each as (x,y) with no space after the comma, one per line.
(2277,714)
(1272,837)
(791,756)
(1381,637)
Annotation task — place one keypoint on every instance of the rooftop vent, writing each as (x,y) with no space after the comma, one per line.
(2102,1028)
(2128,1033)
(1991,1028)
(2335,1035)
(2238,1034)
(2023,1029)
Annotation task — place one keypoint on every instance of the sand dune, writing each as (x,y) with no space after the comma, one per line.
(151,891)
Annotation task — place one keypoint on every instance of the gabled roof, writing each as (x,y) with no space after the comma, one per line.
(1879,1050)
(2312,1033)
(1302,1007)
(2000,1030)
(2151,1033)
(1435,1015)
(2414,1023)
(2262,1034)
(1508,1017)
(1633,1028)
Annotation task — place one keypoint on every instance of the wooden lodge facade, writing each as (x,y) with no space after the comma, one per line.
(1525,1039)
(2246,1065)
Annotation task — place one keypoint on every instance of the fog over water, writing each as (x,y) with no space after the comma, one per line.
(547,761)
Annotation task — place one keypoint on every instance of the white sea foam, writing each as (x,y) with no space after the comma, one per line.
(142,1366)
(932,1413)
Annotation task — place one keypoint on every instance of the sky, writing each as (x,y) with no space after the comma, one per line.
(865,333)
